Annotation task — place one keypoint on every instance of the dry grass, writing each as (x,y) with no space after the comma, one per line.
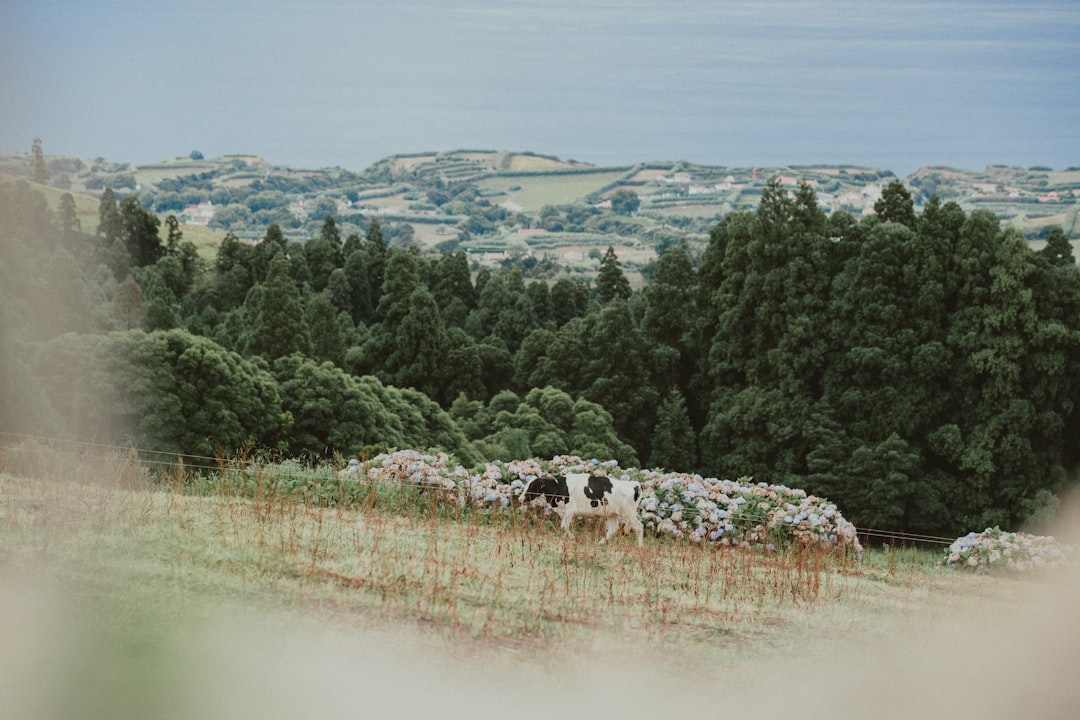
(133,579)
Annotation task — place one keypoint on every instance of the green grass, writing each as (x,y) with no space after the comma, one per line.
(536,191)
(139,578)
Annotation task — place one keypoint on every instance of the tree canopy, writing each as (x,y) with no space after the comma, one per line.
(918,369)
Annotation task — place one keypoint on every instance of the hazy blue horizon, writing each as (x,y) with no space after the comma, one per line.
(896,85)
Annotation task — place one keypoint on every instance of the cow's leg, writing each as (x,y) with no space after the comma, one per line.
(566,518)
(612,526)
(639,529)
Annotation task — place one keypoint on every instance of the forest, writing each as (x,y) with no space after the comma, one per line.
(920,371)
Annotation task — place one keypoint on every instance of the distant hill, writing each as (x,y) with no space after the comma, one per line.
(498,204)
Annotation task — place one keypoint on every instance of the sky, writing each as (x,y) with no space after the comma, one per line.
(895,85)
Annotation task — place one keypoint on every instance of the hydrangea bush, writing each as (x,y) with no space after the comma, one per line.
(684,506)
(993,549)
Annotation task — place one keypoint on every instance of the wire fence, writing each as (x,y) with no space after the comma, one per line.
(170,461)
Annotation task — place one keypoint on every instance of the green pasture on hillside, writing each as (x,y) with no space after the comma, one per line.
(535,191)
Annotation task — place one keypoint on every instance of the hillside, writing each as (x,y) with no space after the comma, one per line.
(141,595)
(553,213)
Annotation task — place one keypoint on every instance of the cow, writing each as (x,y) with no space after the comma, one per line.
(583,494)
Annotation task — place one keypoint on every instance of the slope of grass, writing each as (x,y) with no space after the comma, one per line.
(86,206)
(489,576)
(530,193)
(125,591)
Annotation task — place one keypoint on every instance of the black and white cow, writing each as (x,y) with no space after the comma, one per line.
(576,494)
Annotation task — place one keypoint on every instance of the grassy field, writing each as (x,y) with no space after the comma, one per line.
(86,206)
(125,596)
(530,193)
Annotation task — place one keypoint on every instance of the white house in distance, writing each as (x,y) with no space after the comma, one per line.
(200,214)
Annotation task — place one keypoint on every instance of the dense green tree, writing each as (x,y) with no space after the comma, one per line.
(896,205)
(352,244)
(540,299)
(230,215)
(362,304)
(428,425)
(611,283)
(280,328)
(890,369)
(333,411)
(173,234)
(68,219)
(235,273)
(998,467)
(569,299)
(503,309)
(139,229)
(48,283)
(327,342)
(299,269)
(533,353)
(417,344)
(182,269)
(544,423)
(881,476)
(1058,250)
(497,365)
(622,370)
(873,379)
(536,426)
(594,436)
(37,163)
(160,308)
(169,391)
(110,226)
(763,323)
(460,369)
(1050,376)
(405,348)
(321,260)
(470,416)
(625,202)
(402,277)
(453,289)
(672,442)
(670,313)
(339,291)
(127,306)
(273,243)
(323,254)
(551,219)
(26,214)
(375,258)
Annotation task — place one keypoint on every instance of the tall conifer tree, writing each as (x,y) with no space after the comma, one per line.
(611,283)
(280,327)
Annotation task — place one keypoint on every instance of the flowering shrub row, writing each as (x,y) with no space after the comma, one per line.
(684,506)
(993,549)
